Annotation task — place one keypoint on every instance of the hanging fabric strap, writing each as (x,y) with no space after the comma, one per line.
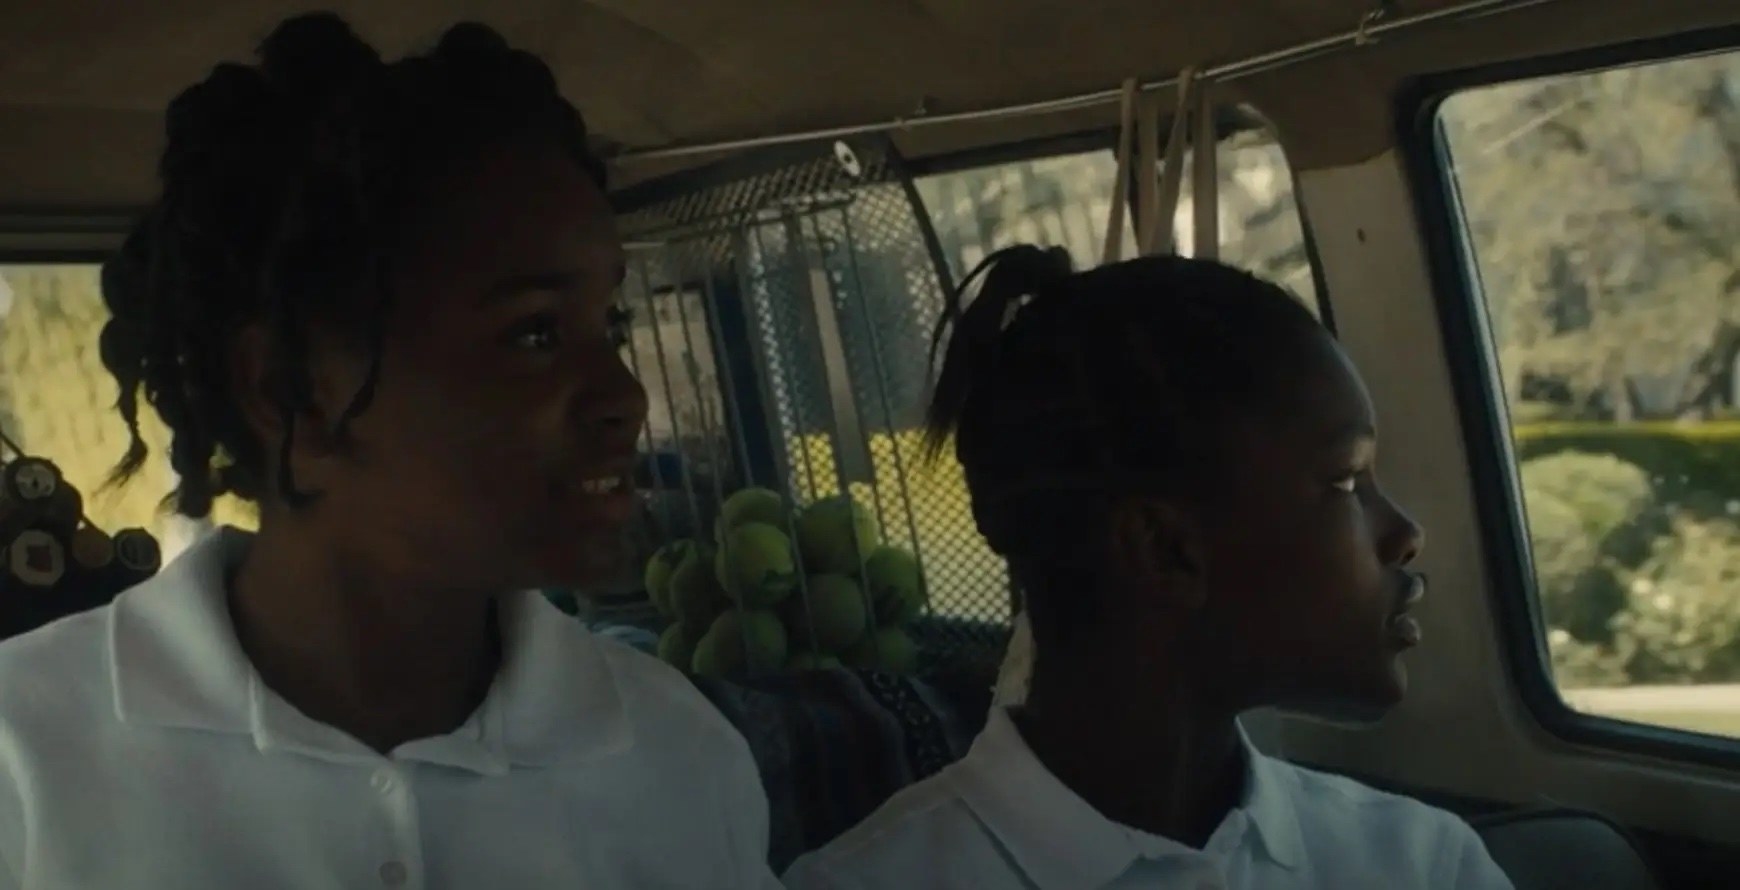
(1205,180)
(1015,675)
(1148,189)
(1159,236)
(1159,175)
(1114,247)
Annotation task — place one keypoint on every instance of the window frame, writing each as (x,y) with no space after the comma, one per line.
(33,236)
(1470,351)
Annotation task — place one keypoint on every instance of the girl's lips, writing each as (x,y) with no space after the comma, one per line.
(1406,629)
(1413,590)
(617,507)
(609,496)
(603,485)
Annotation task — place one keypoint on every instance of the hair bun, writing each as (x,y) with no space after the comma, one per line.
(230,104)
(474,55)
(312,58)
(472,40)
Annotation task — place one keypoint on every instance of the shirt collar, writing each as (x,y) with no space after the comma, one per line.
(1271,803)
(1060,841)
(173,657)
(174,662)
(558,696)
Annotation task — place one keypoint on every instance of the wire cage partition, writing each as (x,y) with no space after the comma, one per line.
(781,313)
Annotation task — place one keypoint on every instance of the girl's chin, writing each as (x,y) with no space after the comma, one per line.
(590,561)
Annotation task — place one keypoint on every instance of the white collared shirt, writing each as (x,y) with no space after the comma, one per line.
(998,819)
(139,749)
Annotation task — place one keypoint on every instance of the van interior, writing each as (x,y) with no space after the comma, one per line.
(1520,217)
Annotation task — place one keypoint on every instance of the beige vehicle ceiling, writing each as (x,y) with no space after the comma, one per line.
(83,82)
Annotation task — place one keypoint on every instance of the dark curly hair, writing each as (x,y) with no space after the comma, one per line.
(283,184)
(1066,391)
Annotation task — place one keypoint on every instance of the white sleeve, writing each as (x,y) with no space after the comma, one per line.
(1467,865)
(807,873)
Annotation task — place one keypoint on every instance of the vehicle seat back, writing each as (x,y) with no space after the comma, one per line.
(833,745)
(1564,850)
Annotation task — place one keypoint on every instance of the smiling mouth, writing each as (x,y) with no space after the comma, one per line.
(605,485)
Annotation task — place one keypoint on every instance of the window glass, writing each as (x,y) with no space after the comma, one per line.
(1602,216)
(1065,200)
(57,402)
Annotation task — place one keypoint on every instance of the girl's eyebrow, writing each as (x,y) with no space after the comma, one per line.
(531,282)
(1352,433)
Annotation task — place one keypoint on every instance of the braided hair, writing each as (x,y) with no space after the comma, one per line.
(283,184)
(1064,392)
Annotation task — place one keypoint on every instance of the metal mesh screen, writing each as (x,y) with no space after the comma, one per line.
(783,323)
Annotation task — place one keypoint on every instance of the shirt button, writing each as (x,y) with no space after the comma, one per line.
(383,781)
(393,873)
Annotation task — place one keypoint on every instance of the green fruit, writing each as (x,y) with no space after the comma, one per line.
(753,505)
(755,565)
(894,584)
(763,638)
(833,605)
(659,569)
(834,535)
(888,649)
(708,661)
(742,639)
(695,595)
(812,661)
(677,645)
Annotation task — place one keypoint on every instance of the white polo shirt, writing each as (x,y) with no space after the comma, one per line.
(139,749)
(998,819)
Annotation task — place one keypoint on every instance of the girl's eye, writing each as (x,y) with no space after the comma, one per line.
(1347,483)
(540,333)
(618,322)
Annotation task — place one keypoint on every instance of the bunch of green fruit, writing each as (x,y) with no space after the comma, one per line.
(777,588)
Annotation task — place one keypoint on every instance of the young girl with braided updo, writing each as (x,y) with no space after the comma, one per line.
(1178,463)
(377,300)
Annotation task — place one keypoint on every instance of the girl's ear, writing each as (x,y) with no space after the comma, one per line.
(1157,553)
(252,383)
(260,387)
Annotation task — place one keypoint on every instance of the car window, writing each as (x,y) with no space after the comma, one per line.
(57,402)
(1601,215)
